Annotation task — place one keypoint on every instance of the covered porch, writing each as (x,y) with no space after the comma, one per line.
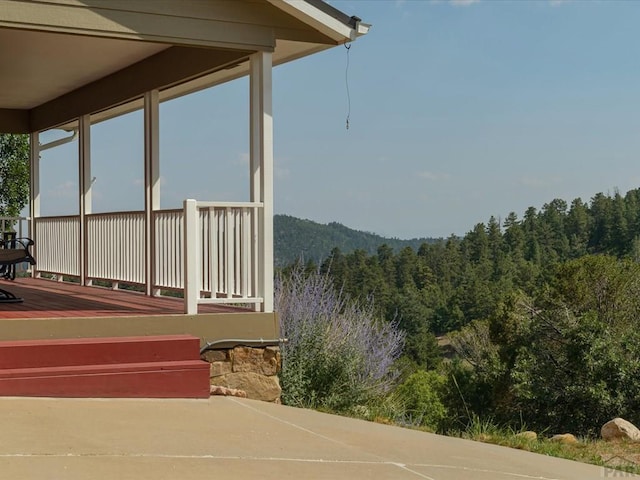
(78,63)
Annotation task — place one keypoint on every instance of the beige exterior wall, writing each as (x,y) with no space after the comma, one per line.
(207,327)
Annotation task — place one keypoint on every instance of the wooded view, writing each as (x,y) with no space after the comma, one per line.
(538,315)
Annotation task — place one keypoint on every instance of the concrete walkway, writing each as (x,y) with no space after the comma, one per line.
(242,439)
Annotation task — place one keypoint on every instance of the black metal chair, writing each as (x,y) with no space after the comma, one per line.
(13,251)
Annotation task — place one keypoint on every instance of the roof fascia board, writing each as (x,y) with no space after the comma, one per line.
(353,21)
(129,25)
(316,18)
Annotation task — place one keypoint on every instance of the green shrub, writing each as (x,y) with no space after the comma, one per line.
(421,395)
(339,354)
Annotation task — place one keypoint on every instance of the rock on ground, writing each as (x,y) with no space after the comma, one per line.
(528,435)
(564,438)
(620,429)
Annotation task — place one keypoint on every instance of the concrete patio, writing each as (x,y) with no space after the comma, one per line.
(225,437)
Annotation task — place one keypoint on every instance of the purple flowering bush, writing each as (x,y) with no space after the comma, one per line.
(339,354)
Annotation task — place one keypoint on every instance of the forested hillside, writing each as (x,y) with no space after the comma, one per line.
(446,284)
(543,310)
(296,238)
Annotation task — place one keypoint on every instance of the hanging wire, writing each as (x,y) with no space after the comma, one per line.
(346,82)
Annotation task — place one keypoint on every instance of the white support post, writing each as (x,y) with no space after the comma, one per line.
(191,262)
(261,164)
(151,182)
(84,187)
(34,190)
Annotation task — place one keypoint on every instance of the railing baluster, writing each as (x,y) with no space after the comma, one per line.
(213,249)
(245,229)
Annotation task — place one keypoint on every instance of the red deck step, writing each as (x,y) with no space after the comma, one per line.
(181,379)
(98,351)
(166,366)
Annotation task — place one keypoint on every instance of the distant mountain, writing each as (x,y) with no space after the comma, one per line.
(296,238)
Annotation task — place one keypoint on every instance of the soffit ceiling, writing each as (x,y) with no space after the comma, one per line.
(38,67)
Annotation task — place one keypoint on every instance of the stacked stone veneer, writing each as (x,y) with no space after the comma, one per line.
(252,370)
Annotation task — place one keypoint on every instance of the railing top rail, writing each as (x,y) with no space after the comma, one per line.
(109,214)
(14,218)
(168,210)
(53,217)
(200,204)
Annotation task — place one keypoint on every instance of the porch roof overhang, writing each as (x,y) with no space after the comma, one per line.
(66,58)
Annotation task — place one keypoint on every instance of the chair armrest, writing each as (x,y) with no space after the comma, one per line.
(15,243)
(25,242)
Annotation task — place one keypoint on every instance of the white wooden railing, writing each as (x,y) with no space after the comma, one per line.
(169,256)
(209,250)
(57,248)
(116,247)
(222,253)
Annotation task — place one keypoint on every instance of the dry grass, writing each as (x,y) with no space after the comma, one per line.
(620,455)
(617,455)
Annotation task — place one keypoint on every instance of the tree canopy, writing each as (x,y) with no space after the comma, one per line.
(14,173)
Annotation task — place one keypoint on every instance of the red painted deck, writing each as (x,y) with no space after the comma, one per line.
(49,299)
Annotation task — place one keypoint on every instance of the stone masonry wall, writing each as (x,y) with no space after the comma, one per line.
(253,370)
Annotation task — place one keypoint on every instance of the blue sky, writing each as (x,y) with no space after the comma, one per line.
(460,110)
